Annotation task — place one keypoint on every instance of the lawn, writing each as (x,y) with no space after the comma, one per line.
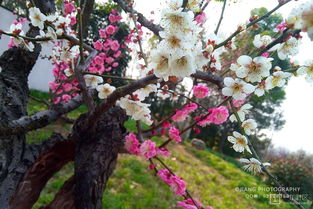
(210,179)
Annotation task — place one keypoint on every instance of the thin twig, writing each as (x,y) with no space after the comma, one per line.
(182,95)
(221,18)
(195,122)
(170,170)
(46,103)
(109,76)
(255,155)
(251,24)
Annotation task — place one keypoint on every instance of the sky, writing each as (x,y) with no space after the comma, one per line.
(298,106)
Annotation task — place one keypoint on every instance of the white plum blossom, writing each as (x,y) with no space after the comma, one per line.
(276,79)
(105,90)
(244,109)
(307,70)
(237,88)
(144,92)
(253,165)
(248,126)
(51,33)
(37,18)
(136,109)
(253,70)
(239,141)
(261,41)
(182,66)
(260,89)
(290,47)
(179,53)
(52,17)
(28,45)
(307,19)
(294,19)
(160,63)
(17,30)
(175,42)
(176,20)
(93,80)
(175,4)
(68,72)
(301,18)
(234,67)
(163,94)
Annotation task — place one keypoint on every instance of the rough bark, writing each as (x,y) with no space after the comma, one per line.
(51,156)
(16,64)
(64,199)
(96,155)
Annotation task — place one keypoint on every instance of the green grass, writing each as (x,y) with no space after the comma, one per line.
(211,178)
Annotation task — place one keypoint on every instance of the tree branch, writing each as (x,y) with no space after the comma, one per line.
(39,119)
(221,18)
(141,19)
(251,24)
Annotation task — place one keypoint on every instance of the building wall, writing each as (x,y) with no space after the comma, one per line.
(42,71)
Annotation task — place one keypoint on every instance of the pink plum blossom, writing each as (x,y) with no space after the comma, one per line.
(114,45)
(67,87)
(102,33)
(201,91)
(99,60)
(132,144)
(114,18)
(148,149)
(66,97)
(164,152)
(69,8)
(238,103)
(188,204)
(191,107)
(218,115)
(115,64)
(174,134)
(165,175)
(178,185)
(98,45)
(180,115)
(117,54)
(110,29)
(200,18)
(166,124)
(281,27)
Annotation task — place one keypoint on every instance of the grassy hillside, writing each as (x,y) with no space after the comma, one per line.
(210,179)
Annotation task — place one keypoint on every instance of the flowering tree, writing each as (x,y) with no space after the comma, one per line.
(81,71)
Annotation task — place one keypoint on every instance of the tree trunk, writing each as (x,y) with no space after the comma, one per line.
(96,155)
(16,64)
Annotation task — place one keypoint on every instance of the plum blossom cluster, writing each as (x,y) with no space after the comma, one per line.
(218,115)
(181,115)
(134,105)
(17,30)
(257,75)
(149,150)
(50,25)
(179,53)
(107,59)
(301,18)
(201,91)
(108,48)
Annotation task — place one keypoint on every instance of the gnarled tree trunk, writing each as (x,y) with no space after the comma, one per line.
(16,64)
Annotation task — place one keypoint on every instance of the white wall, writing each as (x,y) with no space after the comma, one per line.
(42,71)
